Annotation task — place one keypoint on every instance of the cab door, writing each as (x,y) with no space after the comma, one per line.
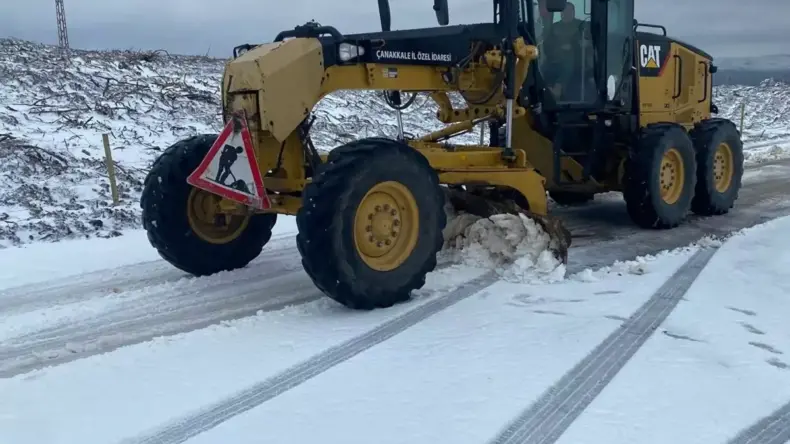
(619,31)
(567,51)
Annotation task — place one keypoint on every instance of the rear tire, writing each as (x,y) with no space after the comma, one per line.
(343,226)
(660,177)
(168,216)
(719,166)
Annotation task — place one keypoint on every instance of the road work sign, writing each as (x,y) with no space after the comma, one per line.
(230,168)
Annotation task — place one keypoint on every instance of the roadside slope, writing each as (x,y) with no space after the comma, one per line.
(53,182)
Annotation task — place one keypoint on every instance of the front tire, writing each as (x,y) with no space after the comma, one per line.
(660,177)
(177,216)
(371,223)
(719,166)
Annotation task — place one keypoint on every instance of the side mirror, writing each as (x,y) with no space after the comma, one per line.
(556,5)
(442,12)
(384,15)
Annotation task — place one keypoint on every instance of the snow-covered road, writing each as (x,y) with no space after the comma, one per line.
(720,363)
(60,320)
(601,357)
(257,355)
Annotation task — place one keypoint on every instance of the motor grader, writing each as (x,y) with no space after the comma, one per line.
(575,97)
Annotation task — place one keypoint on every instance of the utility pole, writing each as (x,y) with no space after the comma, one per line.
(63,33)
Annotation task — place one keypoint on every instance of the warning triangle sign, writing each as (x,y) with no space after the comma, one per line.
(230,168)
(651,63)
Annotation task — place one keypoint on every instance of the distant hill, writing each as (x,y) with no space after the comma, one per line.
(755,63)
(751,70)
(749,77)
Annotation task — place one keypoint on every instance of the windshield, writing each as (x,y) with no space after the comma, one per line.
(565,56)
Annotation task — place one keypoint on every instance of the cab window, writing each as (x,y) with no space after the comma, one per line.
(566,52)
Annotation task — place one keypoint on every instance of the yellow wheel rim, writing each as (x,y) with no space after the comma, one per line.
(672,176)
(209,223)
(722,167)
(386,226)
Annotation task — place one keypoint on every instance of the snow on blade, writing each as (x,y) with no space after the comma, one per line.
(515,246)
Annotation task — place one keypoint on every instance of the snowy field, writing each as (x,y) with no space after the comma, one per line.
(53,182)
(103,342)
(471,355)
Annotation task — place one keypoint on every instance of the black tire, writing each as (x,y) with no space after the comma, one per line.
(326,223)
(642,182)
(707,136)
(567,198)
(164,203)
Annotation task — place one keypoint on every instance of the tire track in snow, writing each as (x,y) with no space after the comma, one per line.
(772,429)
(153,307)
(123,281)
(159,311)
(74,288)
(548,418)
(610,225)
(101,282)
(187,427)
(606,227)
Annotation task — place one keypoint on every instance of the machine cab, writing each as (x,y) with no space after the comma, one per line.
(585,51)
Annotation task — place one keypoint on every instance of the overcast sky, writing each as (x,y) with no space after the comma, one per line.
(728,28)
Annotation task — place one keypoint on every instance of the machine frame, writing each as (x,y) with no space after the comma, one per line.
(636,119)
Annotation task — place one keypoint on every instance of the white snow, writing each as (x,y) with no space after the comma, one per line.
(642,264)
(40,261)
(52,117)
(766,152)
(719,362)
(44,261)
(765,109)
(104,398)
(458,376)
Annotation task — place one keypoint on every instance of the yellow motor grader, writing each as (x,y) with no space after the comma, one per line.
(576,100)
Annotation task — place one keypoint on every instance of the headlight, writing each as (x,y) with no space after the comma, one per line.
(347,51)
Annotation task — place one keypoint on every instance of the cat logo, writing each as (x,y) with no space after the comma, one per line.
(650,56)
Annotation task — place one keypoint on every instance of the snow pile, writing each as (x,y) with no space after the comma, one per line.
(642,264)
(53,182)
(515,246)
(771,151)
(637,266)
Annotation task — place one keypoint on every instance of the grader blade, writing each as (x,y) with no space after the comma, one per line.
(487,203)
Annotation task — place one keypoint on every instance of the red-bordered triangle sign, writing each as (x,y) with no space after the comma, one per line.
(230,168)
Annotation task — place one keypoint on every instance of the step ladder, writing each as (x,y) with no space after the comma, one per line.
(587,156)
